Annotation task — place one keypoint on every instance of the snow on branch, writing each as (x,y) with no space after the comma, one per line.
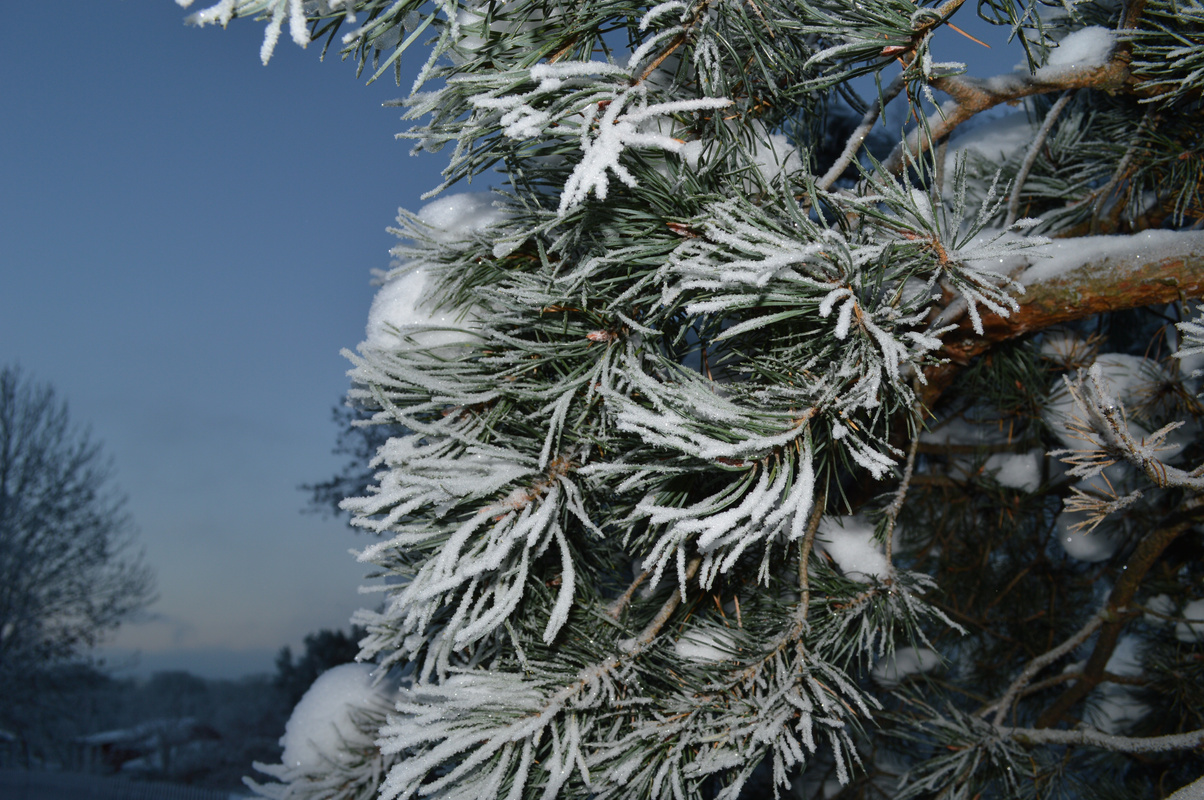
(275,11)
(1192,345)
(1103,426)
(604,105)
(1073,279)
(972,96)
(1117,744)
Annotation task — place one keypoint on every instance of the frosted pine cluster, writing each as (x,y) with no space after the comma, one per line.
(753,434)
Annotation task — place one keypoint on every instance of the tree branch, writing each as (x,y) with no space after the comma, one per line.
(972,96)
(1117,744)
(1039,663)
(1130,272)
(1116,615)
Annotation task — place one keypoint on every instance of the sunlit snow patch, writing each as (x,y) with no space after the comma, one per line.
(399,312)
(992,138)
(1087,48)
(457,217)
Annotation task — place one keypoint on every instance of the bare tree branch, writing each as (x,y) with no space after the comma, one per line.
(1117,744)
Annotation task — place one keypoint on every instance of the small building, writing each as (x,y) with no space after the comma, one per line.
(149,746)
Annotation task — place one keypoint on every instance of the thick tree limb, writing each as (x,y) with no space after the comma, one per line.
(1121,275)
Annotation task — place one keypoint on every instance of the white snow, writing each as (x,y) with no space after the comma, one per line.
(1192,628)
(401,309)
(458,217)
(1086,48)
(399,312)
(1115,707)
(1192,791)
(1016,470)
(994,138)
(773,154)
(1098,545)
(1128,379)
(1065,348)
(1159,604)
(706,646)
(849,541)
(893,670)
(1107,253)
(321,729)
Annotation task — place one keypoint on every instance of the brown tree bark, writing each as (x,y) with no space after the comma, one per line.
(1111,283)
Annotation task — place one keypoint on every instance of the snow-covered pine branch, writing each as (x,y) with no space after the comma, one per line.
(645,522)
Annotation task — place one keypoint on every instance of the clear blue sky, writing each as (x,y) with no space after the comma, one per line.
(186,238)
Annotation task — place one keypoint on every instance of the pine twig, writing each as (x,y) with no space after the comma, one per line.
(615,609)
(896,505)
(804,558)
(1117,744)
(972,96)
(1030,158)
(654,627)
(1001,706)
(857,138)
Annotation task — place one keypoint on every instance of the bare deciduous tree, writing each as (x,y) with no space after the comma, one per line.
(69,569)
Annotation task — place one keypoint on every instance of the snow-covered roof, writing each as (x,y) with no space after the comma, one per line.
(180,729)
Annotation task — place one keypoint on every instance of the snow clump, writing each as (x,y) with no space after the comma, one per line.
(458,217)
(1159,604)
(1191,629)
(1116,707)
(906,661)
(1016,470)
(1087,48)
(1128,378)
(707,646)
(850,542)
(1092,547)
(322,729)
(402,310)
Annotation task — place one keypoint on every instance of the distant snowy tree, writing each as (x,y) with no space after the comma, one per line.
(803,414)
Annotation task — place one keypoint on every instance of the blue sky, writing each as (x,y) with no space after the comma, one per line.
(186,238)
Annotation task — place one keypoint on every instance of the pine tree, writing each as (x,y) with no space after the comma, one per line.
(773,425)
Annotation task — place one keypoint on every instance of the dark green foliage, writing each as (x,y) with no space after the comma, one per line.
(323,650)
